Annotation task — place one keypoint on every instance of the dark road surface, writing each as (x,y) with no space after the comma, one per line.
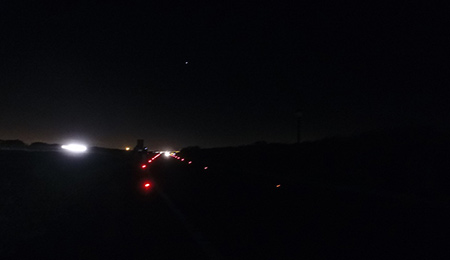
(83,207)
(95,206)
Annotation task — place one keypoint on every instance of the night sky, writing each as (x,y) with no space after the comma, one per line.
(109,73)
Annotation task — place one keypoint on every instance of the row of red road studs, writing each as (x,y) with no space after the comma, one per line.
(147,184)
(182,159)
(144,166)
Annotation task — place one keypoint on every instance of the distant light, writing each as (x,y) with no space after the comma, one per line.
(147,185)
(149,161)
(278,185)
(127,148)
(206,168)
(186,62)
(76,148)
(144,166)
(190,162)
(182,159)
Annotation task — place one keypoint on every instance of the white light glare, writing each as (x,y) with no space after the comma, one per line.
(167,154)
(76,148)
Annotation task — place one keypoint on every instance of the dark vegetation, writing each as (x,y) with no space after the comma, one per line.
(411,164)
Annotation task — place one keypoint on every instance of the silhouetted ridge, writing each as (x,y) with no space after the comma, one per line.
(12,144)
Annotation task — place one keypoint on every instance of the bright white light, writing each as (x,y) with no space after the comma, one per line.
(167,154)
(76,148)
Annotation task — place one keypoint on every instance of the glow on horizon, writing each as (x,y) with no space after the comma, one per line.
(76,148)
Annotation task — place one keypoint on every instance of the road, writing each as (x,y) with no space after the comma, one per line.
(57,206)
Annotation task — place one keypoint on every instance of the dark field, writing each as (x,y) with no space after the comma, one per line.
(54,205)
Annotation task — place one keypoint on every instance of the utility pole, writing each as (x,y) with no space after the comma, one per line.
(299,126)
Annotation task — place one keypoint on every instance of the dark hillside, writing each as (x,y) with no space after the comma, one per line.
(412,163)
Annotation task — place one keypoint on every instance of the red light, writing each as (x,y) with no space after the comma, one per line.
(182,159)
(190,162)
(206,168)
(147,185)
(144,166)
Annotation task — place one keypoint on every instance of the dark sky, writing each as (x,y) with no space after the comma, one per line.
(110,73)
